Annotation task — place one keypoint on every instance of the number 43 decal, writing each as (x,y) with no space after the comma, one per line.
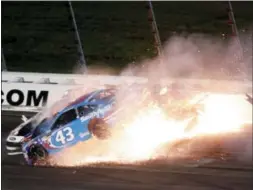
(64,135)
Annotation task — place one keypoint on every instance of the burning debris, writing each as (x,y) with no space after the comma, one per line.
(148,127)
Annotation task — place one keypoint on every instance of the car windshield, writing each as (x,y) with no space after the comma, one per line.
(39,128)
(48,112)
(40,120)
(62,120)
(85,110)
(65,118)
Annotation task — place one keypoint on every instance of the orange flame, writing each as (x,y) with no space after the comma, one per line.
(139,138)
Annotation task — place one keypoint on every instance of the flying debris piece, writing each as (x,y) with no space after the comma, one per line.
(249,98)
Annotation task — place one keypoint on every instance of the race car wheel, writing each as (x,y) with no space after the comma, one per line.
(38,155)
(99,129)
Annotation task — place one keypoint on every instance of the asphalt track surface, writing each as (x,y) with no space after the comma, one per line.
(16,175)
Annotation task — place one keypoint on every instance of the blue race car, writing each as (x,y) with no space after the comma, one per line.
(86,117)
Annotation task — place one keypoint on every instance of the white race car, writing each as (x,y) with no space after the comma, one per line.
(19,135)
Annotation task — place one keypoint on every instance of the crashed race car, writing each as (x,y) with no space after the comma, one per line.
(23,132)
(20,134)
(84,118)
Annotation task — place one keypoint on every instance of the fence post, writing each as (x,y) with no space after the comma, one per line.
(3,63)
(79,44)
(151,18)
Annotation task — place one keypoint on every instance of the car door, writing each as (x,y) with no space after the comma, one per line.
(67,130)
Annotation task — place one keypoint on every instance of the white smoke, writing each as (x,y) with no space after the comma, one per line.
(199,56)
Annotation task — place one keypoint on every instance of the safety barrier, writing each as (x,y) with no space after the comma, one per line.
(31,91)
(66,79)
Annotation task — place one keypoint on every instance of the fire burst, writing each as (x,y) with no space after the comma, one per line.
(139,138)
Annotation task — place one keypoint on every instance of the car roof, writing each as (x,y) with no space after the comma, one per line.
(82,100)
(85,100)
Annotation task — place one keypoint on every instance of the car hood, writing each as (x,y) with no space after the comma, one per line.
(41,128)
(28,127)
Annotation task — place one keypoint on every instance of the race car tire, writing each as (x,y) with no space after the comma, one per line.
(99,129)
(38,155)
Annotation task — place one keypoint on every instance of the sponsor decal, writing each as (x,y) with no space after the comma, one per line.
(15,139)
(96,113)
(12,138)
(83,134)
(16,97)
